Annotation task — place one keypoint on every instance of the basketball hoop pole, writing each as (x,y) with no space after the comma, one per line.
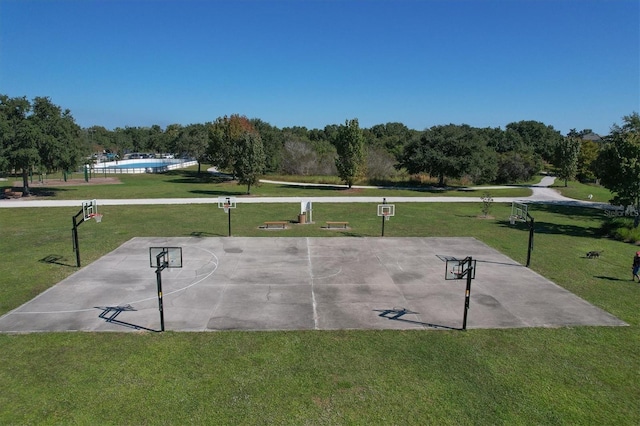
(520,212)
(74,233)
(467,294)
(160,265)
(384,201)
(229,208)
(531,223)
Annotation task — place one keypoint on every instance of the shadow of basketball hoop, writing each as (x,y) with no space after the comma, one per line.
(55,259)
(109,314)
(397,314)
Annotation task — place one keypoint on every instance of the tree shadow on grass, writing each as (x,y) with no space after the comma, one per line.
(193,177)
(554,228)
(220,192)
(565,210)
(48,191)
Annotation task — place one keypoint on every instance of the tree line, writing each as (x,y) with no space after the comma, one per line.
(40,136)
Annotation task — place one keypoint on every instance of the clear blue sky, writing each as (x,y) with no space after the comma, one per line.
(566,63)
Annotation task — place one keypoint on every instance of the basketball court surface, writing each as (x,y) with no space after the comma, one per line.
(280,283)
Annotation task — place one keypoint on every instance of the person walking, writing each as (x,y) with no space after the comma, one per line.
(636,267)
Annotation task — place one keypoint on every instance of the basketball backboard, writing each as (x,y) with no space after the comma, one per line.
(169,256)
(456,269)
(518,212)
(386,210)
(230,202)
(89,209)
(226,203)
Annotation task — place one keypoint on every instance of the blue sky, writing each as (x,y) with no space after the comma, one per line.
(486,63)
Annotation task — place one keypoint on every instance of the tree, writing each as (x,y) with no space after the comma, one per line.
(517,166)
(60,146)
(543,139)
(224,133)
(380,164)
(391,136)
(37,134)
(193,142)
(170,138)
(13,116)
(299,158)
(588,153)
(618,163)
(566,157)
(249,159)
(349,143)
(272,142)
(449,151)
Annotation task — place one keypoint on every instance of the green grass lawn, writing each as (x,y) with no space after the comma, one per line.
(581,191)
(577,375)
(187,183)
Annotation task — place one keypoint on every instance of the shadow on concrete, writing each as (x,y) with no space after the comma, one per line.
(396,314)
(203,234)
(109,314)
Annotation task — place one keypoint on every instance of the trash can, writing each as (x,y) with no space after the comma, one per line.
(302,218)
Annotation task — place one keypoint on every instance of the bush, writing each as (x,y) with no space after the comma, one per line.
(621,229)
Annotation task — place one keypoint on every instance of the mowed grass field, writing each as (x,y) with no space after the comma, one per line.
(582,375)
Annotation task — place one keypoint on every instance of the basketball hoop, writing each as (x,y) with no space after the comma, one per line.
(97,217)
(226,208)
(386,216)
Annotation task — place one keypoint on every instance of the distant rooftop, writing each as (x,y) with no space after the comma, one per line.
(592,137)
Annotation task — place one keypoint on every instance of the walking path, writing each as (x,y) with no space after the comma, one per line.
(541,194)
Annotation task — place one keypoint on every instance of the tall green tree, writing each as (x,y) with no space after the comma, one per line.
(13,117)
(224,134)
(566,157)
(618,163)
(542,138)
(449,151)
(61,146)
(588,154)
(37,135)
(249,159)
(170,137)
(193,142)
(273,143)
(349,143)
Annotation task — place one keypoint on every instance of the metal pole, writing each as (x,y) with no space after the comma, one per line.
(531,231)
(76,247)
(229,204)
(467,294)
(384,201)
(159,282)
(74,232)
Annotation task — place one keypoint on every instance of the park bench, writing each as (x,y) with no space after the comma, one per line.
(10,193)
(277,224)
(337,225)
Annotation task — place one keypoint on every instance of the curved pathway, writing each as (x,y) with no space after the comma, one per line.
(541,194)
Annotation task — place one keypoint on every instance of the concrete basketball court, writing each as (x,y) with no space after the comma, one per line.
(280,283)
